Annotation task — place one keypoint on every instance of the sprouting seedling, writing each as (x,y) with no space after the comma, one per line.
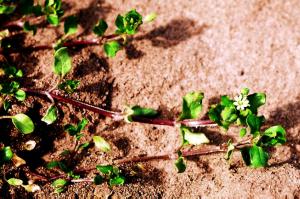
(22,122)
(30,187)
(6,8)
(126,25)
(110,173)
(12,88)
(52,10)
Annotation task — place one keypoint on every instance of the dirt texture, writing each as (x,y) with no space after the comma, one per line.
(214,46)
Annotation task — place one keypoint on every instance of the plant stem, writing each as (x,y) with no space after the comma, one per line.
(5,117)
(118,116)
(71,43)
(82,180)
(205,150)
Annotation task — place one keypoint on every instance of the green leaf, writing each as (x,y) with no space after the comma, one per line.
(101,144)
(180,164)
(6,154)
(98,179)
(81,125)
(255,122)
(105,169)
(119,22)
(230,150)
(62,62)
(53,19)
(274,135)
(243,132)
(6,105)
(7,9)
(100,28)
(118,180)
(111,48)
(191,105)
(69,86)
(255,156)
(59,185)
(20,95)
(51,115)
(245,91)
(132,21)
(193,138)
(70,25)
(150,17)
(15,182)
(83,146)
(23,123)
(52,164)
(256,100)
(139,111)
(228,114)
(28,28)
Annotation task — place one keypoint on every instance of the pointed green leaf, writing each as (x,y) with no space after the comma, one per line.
(15,181)
(23,123)
(62,62)
(51,115)
(101,144)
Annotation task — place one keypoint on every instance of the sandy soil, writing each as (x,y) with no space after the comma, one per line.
(214,46)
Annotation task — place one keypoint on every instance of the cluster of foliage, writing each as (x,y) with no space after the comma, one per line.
(242,111)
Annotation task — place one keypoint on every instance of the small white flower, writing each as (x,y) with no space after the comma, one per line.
(241,102)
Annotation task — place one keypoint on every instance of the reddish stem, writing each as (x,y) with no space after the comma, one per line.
(117,116)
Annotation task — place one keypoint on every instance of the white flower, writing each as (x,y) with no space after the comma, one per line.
(241,102)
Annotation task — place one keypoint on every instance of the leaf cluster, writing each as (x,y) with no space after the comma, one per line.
(109,173)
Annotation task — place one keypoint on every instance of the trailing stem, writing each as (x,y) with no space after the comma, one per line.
(118,116)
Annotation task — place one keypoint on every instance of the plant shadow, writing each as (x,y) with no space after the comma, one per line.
(89,16)
(289,117)
(173,33)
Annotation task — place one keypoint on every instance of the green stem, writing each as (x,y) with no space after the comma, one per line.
(6,117)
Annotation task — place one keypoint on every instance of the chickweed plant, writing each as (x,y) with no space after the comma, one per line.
(238,112)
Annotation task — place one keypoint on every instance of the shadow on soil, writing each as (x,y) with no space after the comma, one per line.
(89,17)
(171,34)
(289,117)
